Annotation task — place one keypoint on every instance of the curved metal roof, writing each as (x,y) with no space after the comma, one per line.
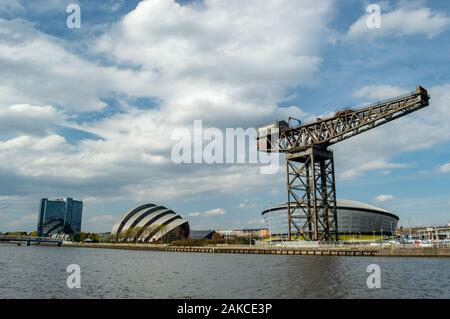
(117,228)
(355,204)
(150,221)
(345,204)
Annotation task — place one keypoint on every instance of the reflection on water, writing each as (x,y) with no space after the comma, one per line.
(40,272)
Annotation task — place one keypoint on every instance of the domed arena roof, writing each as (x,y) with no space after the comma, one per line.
(149,223)
(345,204)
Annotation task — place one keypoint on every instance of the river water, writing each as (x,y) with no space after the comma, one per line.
(40,272)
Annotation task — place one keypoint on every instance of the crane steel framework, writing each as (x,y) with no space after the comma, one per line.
(311,186)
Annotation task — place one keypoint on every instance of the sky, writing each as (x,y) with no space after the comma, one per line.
(89,112)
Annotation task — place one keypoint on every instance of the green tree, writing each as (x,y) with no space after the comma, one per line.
(109,239)
(126,234)
(160,231)
(134,234)
(79,237)
(150,229)
(94,237)
(216,238)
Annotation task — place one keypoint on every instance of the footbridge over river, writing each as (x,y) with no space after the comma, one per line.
(29,240)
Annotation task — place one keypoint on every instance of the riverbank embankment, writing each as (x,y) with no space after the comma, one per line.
(327,250)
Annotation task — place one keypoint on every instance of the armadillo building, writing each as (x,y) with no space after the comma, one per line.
(150,223)
(353,218)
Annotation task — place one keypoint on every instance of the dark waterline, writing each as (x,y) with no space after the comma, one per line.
(40,272)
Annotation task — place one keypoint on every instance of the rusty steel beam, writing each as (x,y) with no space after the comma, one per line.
(348,123)
(312,212)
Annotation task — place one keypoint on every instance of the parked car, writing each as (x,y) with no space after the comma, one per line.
(424,244)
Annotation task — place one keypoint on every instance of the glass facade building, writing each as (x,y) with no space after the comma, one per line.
(59,217)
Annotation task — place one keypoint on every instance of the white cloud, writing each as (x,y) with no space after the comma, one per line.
(21,223)
(97,223)
(10,6)
(445,168)
(383,198)
(45,6)
(55,76)
(47,143)
(101,219)
(49,156)
(202,180)
(28,119)
(259,222)
(404,20)
(241,205)
(274,192)
(216,60)
(208,213)
(411,210)
(378,92)
(370,166)
(373,150)
(226,64)
(4,198)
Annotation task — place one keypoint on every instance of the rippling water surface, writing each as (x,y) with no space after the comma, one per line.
(40,272)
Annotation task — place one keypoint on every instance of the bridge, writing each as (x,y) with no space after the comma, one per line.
(29,240)
(435,233)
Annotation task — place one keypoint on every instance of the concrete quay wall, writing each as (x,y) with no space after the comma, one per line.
(274,250)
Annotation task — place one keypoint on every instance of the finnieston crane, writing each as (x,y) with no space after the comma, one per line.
(311,187)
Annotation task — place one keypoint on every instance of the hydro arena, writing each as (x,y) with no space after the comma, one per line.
(353,218)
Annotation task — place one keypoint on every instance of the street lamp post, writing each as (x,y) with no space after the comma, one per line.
(373,231)
(270,221)
(270,228)
(392,237)
(351,225)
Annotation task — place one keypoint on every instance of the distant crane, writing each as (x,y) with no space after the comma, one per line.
(311,187)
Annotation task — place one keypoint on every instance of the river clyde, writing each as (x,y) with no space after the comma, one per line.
(40,272)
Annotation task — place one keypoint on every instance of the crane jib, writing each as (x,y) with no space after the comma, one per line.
(342,125)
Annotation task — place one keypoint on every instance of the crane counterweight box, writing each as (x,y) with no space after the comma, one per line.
(268,136)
